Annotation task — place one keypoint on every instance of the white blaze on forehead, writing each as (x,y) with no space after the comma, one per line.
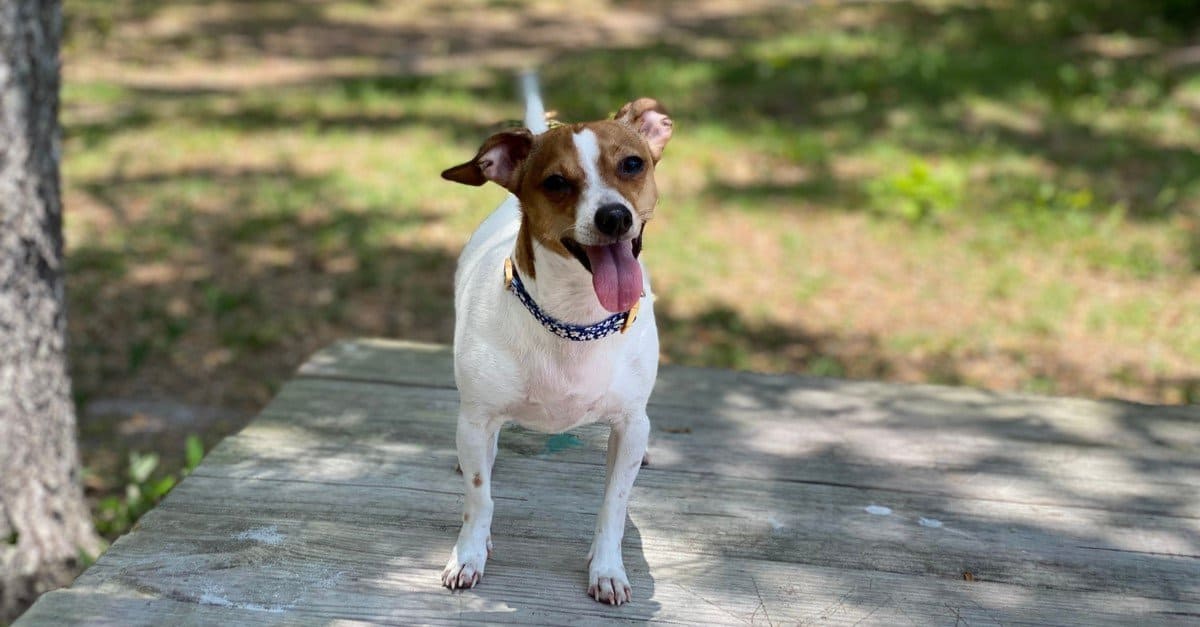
(588,149)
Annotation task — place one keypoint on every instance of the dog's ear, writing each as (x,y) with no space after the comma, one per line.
(649,118)
(497,160)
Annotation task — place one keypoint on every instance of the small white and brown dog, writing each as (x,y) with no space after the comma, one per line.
(554,314)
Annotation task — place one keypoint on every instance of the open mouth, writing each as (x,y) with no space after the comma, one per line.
(577,249)
(616,273)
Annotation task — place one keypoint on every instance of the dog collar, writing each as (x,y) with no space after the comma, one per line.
(615,323)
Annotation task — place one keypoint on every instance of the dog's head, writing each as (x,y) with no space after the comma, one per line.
(586,190)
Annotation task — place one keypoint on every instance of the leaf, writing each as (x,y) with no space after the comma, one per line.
(193,452)
(109,505)
(159,489)
(140,466)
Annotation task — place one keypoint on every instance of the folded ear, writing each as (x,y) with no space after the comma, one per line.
(649,118)
(497,160)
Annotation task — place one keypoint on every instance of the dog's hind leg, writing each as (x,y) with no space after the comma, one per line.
(476,441)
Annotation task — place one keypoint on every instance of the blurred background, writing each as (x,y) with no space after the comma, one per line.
(1002,194)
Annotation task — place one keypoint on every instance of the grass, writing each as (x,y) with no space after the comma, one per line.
(1001,194)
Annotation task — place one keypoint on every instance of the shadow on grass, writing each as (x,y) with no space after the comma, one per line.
(213,285)
(914,75)
(912,72)
(273,109)
(244,272)
(720,337)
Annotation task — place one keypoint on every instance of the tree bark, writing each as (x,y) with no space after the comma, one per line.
(44,522)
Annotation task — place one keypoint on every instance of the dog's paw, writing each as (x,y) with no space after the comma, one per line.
(464,569)
(608,584)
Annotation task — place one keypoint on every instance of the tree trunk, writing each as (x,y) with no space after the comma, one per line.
(44,522)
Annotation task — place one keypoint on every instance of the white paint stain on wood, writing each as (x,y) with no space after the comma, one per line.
(264,535)
(212,597)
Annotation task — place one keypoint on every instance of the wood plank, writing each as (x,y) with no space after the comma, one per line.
(319,435)
(824,527)
(852,449)
(305,569)
(1019,417)
(339,504)
(812,595)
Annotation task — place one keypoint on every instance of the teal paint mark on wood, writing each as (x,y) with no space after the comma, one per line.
(561,442)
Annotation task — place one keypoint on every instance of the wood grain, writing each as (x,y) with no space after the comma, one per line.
(339,503)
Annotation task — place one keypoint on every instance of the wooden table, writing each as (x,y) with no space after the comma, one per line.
(770,500)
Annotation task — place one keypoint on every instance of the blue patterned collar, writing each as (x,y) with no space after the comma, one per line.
(619,322)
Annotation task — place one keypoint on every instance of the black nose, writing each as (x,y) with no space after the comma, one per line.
(614,219)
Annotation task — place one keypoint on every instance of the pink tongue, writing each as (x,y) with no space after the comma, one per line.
(616,275)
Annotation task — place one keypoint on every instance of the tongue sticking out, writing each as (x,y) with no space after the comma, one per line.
(616,275)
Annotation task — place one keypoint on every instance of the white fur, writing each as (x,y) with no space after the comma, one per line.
(509,368)
(535,112)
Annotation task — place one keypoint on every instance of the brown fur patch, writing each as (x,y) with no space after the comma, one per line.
(524,255)
(547,217)
(477,480)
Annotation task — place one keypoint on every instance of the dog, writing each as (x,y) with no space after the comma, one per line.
(554,316)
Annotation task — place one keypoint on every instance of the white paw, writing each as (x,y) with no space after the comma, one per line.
(464,569)
(607,582)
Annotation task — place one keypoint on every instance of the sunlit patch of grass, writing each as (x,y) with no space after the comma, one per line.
(918,193)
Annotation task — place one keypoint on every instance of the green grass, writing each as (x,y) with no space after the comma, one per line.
(999,194)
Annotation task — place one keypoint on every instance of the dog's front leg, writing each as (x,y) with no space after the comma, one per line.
(607,581)
(476,442)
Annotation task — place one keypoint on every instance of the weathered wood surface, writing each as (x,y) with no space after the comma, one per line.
(339,503)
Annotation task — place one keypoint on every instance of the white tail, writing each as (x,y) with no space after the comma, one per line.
(535,112)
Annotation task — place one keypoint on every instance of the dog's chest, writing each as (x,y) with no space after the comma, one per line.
(561,392)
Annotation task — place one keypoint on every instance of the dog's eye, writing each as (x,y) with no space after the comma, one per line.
(631,166)
(556,184)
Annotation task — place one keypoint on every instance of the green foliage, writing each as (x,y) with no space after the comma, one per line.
(917,194)
(193,451)
(115,515)
(825,366)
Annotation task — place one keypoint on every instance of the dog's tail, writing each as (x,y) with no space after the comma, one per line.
(535,112)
